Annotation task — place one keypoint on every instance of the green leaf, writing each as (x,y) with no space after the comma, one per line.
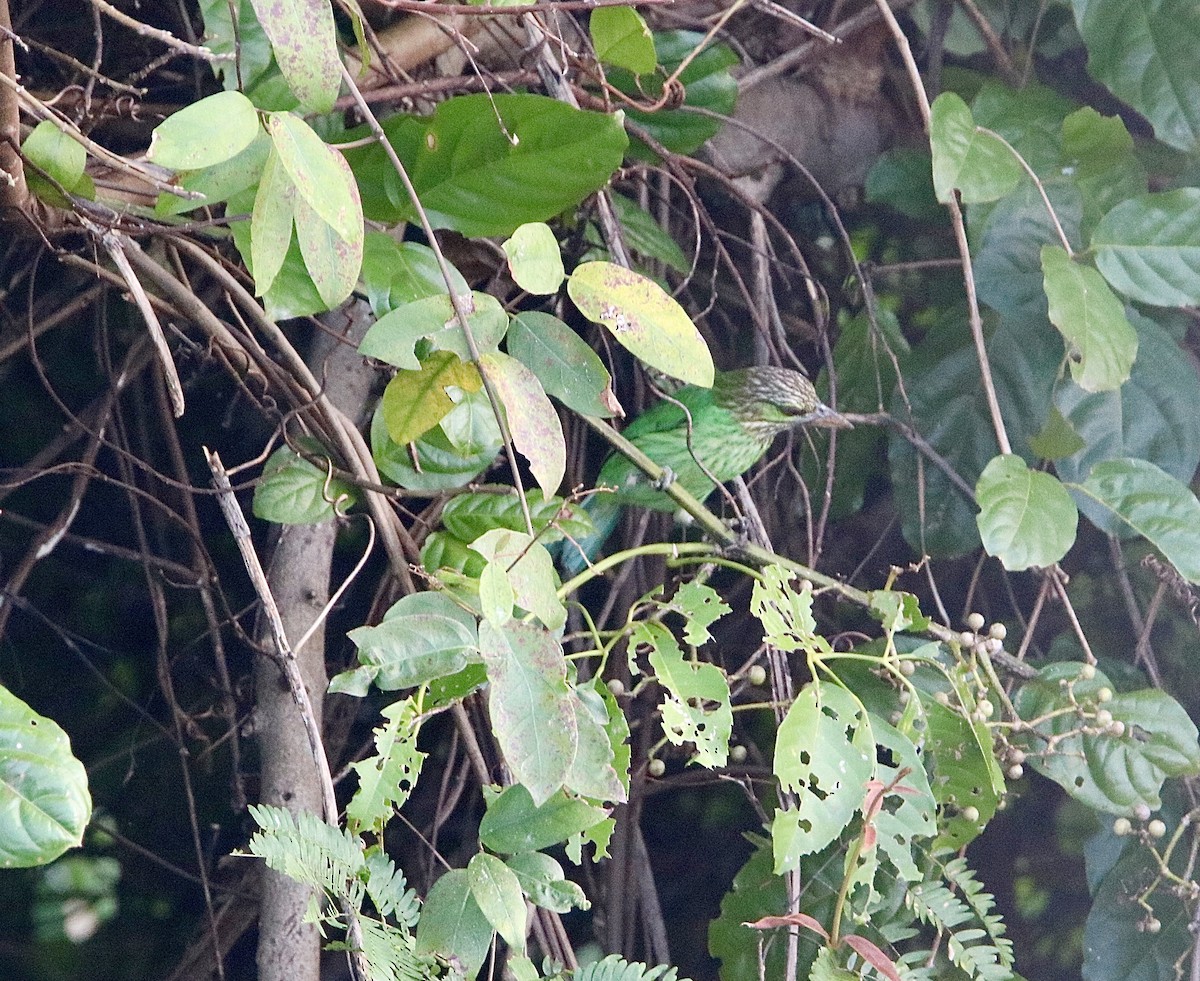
(1057,439)
(707,85)
(485,164)
(416,401)
(696,708)
(468,516)
(318,174)
(1027,517)
(293,491)
(1145,53)
(531,708)
(423,636)
(271,223)
(232,28)
(395,273)
(291,293)
(304,41)
(205,133)
(44,799)
(643,234)
(644,319)
(594,772)
(824,754)
(1110,773)
(963,768)
(394,336)
(514,823)
(785,612)
(566,366)
(1098,154)
(1101,342)
(535,427)
(534,258)
(756,892)
(60,156)
(219,182)
(966,159)
(700,606)
(529,571)
(386,779)
(332,261)
(1154,504)
(441,464)
(542,880)
(452,924)
(903,179)
(1152,417)
(1149,247)
(497,892)
(622,39)
(908,816)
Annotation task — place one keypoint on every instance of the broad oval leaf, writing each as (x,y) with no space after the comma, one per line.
(497,891)
(529,571)
(1158,507)
(453,925)
(531,708)
(564,363)
(622,39)
(1027,517)
(1149,247)
(514,823)
(416,401)
(536,430)
(294,491)
(393,337)
(60,156)
(543,881)
(707,84)
(1146,54)
(271,224)
(221,181)
(646,321)
(534,258)
(966,159)
(395,273)
(485,164)
(332,260)
(319,177)
(1102,343)
(440,463)
(1151,417)
(44,799)
(423,636)
(468,516)
(1110,773)
(304,41)
(205,133)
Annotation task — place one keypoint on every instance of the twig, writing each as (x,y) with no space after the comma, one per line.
(286,660)
(166,37)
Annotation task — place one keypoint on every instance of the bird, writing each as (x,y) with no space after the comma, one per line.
(731,427)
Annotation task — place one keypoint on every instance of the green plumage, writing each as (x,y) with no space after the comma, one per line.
(732,425)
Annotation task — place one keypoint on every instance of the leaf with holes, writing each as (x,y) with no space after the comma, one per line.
(824,754)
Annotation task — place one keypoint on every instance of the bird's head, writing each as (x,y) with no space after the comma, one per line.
(772,400)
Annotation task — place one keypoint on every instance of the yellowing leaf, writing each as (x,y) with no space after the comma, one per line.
(536,430)
(318,173)
(416,401)
(205,133)
(644,319)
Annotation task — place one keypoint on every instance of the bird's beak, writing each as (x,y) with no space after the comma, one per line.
(827,418)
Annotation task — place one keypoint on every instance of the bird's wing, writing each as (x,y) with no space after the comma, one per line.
(664,416)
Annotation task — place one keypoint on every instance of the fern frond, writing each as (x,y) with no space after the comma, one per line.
(614,968)
(306,849)
(975,941)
